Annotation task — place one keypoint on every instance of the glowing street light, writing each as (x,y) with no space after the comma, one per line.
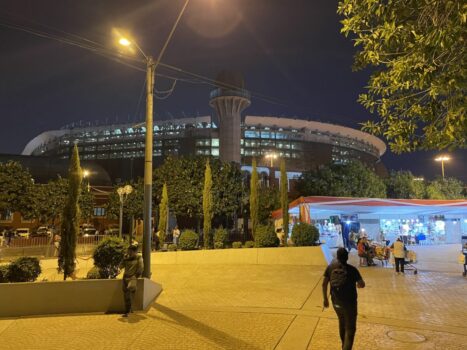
(442,159)
(151,66)
(123,193)
(124,42)
(271,157)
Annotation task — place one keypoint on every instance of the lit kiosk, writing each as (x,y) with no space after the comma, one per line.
(229,100)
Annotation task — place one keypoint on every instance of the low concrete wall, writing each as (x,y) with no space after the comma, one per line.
(319,256)
(65,297)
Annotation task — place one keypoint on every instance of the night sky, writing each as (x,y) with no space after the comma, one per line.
(290,51)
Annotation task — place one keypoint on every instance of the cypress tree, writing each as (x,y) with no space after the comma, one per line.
(163,212)
(71,217)
(207,206)
(284,202)
(254,198)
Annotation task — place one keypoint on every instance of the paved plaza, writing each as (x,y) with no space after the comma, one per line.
(269,307)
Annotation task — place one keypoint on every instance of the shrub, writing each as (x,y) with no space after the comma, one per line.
(304,234)
(265,236)
(237,245)
(172,247)
(94,274)
(249,244)
(109,255)
(24,269)
(221,237)
(3,273)
(218,245)
(188,240)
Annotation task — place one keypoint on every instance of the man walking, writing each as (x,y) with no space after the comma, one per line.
(133,268)
(344,279)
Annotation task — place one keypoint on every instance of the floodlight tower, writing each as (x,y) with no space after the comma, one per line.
(229,100)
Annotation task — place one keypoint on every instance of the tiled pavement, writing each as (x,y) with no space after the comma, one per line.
(265,307)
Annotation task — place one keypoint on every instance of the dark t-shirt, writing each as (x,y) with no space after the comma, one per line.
(349,296)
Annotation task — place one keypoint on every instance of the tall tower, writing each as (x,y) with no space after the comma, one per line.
(229,100)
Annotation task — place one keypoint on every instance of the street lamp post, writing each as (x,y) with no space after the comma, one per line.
(123,192)
(442,159)
(271,156)
(151,67)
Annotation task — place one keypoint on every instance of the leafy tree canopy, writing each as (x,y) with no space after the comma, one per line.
(417,50)
(133,205)
(402,184)
(16,185)
(349,180)
(449,188)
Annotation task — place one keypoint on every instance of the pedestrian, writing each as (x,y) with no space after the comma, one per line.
(10,235)
(133,269)
(398,251)
(344,279)
(175,235)
(57,240)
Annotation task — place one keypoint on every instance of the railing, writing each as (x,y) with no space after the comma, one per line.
(229,92)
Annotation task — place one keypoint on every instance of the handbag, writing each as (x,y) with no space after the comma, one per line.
(132,284)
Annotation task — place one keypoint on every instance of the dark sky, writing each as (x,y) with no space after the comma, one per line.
(291,51)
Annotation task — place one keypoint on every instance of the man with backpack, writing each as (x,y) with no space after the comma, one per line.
(344,279)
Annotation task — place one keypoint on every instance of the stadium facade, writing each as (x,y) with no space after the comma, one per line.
(304,144)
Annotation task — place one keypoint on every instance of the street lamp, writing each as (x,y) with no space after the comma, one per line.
(86,174)
(123,193)
(151,67)
(442,159)
(271,156)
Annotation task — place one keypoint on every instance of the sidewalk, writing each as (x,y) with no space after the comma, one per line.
(264,307)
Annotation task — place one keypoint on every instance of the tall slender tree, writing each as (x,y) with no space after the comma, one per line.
(254,198)
(284,201)
(71,215)
(207,206)
(163,213)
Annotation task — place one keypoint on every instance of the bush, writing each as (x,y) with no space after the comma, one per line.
(3,273)
(24,269)
(237,245)
(221,237)
(218,245)
(172,247)
(188,240)
(249,244)
(109,255)
(265,236)
(304,234)
(94,274)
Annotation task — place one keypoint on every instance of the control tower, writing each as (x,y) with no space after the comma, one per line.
(229,100)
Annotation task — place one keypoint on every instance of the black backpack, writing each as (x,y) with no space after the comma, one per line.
(338,281)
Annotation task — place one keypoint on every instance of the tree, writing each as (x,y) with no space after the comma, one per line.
(70,218)
(163,213)
(254,198)
(86,203)
(402,184)
(207,207)
(448,188)
(268,201)
(284,201)
(348,180)
(417,53)
(16,186)
(48,200)
(185,178)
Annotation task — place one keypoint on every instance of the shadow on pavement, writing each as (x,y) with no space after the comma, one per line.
(226,341)
(132,318)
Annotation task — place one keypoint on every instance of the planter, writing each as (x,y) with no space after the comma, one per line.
(68,297)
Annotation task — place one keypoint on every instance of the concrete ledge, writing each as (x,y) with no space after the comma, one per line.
(64,297)
(318,256)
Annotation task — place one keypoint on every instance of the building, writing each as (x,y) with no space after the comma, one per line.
(119,149)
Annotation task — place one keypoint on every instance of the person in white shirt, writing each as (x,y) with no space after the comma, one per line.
(398,250)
